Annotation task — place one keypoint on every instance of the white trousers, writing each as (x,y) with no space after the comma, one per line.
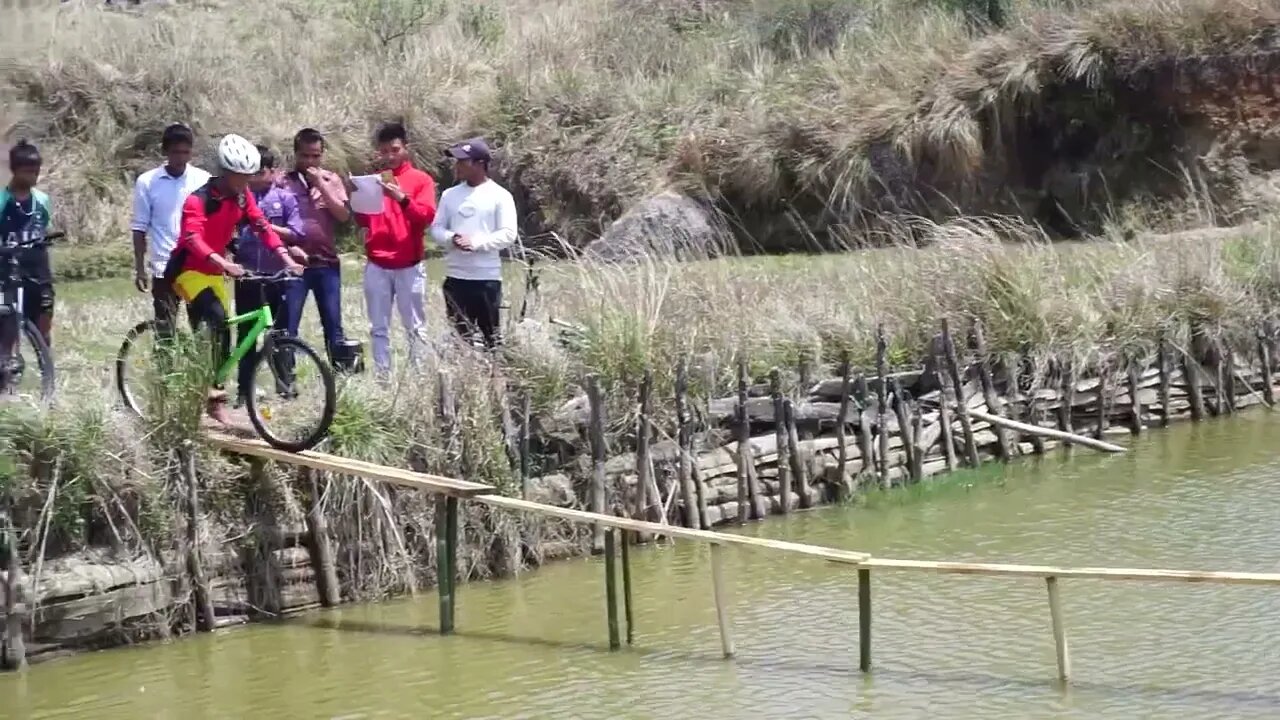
(405,289)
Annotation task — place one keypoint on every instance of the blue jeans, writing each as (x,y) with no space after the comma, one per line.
(326,283)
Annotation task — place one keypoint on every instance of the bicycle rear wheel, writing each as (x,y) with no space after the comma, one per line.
(27,372)
(291,404)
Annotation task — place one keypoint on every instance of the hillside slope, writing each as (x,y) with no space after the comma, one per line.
(801,120)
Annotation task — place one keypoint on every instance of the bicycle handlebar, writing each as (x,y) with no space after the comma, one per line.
(34,242)
(279,276)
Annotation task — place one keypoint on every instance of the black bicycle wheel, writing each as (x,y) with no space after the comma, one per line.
(33,358)
(302,425)
(142,334)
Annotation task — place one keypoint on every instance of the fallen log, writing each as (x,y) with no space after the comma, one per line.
(1047,432)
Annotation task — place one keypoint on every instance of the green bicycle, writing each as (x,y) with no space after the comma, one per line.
(282,415)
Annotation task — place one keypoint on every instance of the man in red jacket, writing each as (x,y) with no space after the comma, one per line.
(393,243)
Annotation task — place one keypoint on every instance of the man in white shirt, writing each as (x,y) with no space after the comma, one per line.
(158,195)
(475,221)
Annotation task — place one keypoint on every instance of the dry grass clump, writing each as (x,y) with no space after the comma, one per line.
(821,108)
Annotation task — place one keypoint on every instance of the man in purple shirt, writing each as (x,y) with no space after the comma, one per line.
(281,210)
(322,205)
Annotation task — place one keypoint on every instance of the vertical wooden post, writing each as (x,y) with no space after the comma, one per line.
(626,584)
(1031,413)
(994,406)
(864,429)
(944,416)
(526,419)
(446,558)
(1191,374)
(319,545)
(780,439)
(1059,630)
(1166,381)
(1135,404)
(742,429)
(1264,362)
(798,468)
(1067,402)
(13,649)
(916,455)
(1228,375)
(845,487)
(864,619)
(905,429)
(722,601)
(882,408)
(647,497)
(596,437)
(683,441)
(195,565)
(611,590)
(962,403)
(1104,393)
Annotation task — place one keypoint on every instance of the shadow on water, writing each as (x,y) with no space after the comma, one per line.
(968,681)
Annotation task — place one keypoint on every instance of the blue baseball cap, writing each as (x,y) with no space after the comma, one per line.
(473,149)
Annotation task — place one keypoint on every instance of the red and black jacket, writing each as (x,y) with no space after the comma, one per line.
(210,223)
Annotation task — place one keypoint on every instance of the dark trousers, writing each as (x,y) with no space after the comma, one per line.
(249,296)
(472,305)
(206,311)
(326,284)
(164,302)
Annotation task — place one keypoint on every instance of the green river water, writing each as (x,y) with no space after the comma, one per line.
(1196,497)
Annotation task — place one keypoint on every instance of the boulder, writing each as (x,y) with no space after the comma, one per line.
(666,225)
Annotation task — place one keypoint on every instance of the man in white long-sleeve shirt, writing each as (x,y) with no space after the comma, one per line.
(475,221)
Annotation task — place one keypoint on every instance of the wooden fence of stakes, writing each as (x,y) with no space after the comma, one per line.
(613,533)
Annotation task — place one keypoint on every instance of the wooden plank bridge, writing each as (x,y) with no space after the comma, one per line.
(451,491)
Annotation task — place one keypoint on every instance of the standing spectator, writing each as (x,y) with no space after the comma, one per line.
(25,212)
(321,200)
(394,273)
(281,210)
(476,221)
(158,195)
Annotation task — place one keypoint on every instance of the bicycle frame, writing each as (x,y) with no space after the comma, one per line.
(261,319)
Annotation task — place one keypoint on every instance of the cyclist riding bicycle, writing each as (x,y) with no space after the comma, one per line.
(210,218)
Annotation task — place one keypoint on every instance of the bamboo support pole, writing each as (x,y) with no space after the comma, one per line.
(611,590)
(626,586)
(1066,419)
(1229,379)
(446,559)
(1195,395)
(204,613)
(684,467)
(906,428)
(1059,630)
(526,418)
(780,439)
(962,405)
(720,593)
(1047,432)
(596,437)
(864,620)
(1104,392)
(1031,413)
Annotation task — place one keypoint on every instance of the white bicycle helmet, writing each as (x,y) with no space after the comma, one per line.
(237,155)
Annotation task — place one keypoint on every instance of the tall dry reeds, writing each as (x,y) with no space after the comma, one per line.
(820,108)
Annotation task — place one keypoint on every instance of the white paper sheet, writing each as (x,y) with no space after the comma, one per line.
(367,199)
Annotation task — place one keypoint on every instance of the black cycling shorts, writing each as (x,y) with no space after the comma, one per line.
(37,299)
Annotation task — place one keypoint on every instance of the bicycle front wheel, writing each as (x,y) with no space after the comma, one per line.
(291,395)
(143,336)
(26,370)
